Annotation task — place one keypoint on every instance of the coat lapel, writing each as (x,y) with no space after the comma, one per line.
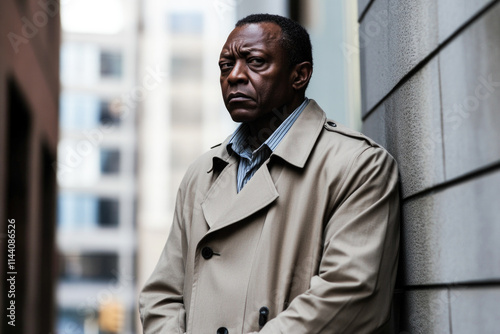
(223,206)
(299,141)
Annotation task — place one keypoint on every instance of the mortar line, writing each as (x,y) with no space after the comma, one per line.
(362,16)
(491,168)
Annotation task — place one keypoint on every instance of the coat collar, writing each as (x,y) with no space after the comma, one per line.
(223,206)
(298,143)
(294,148)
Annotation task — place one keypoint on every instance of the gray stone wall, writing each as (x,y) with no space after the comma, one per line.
(430,73)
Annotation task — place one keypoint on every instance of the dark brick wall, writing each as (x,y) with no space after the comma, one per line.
(29,95)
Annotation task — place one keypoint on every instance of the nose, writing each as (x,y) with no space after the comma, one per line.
(238,73)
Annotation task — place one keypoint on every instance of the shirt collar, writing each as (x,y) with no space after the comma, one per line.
(239,144)
(295,148)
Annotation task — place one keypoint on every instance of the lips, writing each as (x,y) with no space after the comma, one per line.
(238,97)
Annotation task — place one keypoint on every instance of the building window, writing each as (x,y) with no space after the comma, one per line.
(79,111)
(108,212)
(85,111)
(89,267)
(79,63)
(109,114)
(111,64)
(110,161)
(186,23)
(77,211)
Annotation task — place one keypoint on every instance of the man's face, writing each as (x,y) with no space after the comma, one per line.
(255,76)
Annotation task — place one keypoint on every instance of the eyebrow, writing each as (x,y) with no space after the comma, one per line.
(243,50)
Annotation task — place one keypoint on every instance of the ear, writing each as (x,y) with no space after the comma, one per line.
(301,74)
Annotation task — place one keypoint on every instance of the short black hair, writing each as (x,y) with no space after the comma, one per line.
(294,37)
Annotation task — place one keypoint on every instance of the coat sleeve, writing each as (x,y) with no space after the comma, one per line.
(161,302)
(352,291)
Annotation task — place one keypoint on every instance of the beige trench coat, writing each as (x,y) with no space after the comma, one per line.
(313,236)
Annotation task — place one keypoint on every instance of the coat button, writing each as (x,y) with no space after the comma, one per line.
(332,124)
(222,330)
(263,314)
(207,253)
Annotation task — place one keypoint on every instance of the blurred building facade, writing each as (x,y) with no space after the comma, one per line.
(96,207)
(431,94)
(29,98)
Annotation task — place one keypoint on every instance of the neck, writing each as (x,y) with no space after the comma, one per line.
(264,127)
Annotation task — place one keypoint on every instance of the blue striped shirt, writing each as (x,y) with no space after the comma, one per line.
(249,162)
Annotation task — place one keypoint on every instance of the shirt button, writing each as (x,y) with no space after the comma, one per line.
(222,330)
(207,253)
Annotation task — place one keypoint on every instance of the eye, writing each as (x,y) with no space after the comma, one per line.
(225,66)
(256,61)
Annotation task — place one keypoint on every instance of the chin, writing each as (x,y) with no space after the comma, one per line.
(242,115)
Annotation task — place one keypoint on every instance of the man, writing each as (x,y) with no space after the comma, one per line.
(291,224)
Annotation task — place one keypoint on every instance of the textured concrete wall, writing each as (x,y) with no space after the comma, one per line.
(430,72)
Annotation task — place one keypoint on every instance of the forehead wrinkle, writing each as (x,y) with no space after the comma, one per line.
(234,48)
(241,41)
(251,49)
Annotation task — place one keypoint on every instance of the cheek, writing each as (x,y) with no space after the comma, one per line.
(264,88)
(274,92)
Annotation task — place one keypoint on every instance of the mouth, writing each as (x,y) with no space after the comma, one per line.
(238,97)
